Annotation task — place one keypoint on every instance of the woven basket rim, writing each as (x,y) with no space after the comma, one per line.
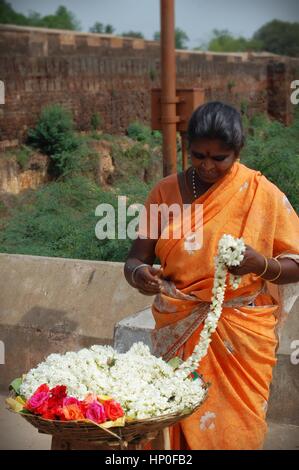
(130,422)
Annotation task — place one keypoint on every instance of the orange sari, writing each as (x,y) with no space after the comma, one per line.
(241,354)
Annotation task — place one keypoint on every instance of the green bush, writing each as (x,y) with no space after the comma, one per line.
(273,149)
(54,131)
(54,135)
(96,121)
(144,134)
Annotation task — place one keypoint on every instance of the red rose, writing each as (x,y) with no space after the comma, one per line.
(113,410)
(57,396)
(42,388)
(50,414)
(58,392)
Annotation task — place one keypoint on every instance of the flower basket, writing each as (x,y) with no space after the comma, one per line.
(134,430)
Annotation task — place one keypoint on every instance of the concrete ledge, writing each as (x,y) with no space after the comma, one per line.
(132,329)
(55,304)
(284,395)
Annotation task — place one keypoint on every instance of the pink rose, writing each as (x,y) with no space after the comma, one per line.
(71,401)
(37,400)
(96,412)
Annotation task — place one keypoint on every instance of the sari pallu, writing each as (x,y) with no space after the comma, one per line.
(241,354)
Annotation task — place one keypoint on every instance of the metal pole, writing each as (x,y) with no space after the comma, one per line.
(184,141)
(168,85)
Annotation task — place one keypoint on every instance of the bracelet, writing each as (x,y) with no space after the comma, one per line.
(135,269)
(278,275)
(266,267)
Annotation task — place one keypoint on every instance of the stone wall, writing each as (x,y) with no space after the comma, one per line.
(113,76)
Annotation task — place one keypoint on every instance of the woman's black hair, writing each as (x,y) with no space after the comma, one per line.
(216,120)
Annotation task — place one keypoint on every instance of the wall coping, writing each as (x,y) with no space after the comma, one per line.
(243,55)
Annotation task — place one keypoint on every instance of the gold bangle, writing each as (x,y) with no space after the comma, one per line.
(266,266)
(278,275)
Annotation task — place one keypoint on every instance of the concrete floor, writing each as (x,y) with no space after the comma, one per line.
(16,433)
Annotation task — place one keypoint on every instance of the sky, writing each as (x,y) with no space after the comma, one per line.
(197,18)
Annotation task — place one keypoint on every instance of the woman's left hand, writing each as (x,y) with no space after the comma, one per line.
(253,262)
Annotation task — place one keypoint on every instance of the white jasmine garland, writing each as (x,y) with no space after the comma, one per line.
(230,253)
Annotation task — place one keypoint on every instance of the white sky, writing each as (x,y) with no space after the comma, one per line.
(197,17)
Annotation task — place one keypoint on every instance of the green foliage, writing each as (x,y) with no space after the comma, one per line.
(224,41)
(279,37)
(59,220)
(54,130)
(131,161)
(273,149)
(100,28)
(61,19)
(181,38)
(142,133)
(96,121)
(54,135)
(23,155)
(231,84)
(152,74)
(133,34)
(15,385)
(9,16)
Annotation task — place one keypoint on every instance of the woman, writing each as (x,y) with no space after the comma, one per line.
(238,201)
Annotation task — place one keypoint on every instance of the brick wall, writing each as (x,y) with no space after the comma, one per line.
(113,76)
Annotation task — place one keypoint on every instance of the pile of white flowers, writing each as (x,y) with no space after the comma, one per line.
(143,384)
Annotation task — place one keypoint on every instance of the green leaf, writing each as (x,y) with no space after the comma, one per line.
(15,385)
(175,362)
(25,412)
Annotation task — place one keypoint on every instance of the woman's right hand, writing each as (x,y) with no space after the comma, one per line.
(148,280)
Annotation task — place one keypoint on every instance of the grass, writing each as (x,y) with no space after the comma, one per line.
(59,219)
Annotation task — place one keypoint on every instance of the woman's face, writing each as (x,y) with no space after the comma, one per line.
(212,159)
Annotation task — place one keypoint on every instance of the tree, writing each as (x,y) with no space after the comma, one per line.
(61,19)
(97,28)
(133,34)
(224,41)
(279,37)
(180,38)
(9,16)
(109,29)
(100,28)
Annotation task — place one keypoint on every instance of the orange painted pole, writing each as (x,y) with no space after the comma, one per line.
(168,86)
(184,141)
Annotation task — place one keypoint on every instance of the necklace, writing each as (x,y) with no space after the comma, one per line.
(195,194)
